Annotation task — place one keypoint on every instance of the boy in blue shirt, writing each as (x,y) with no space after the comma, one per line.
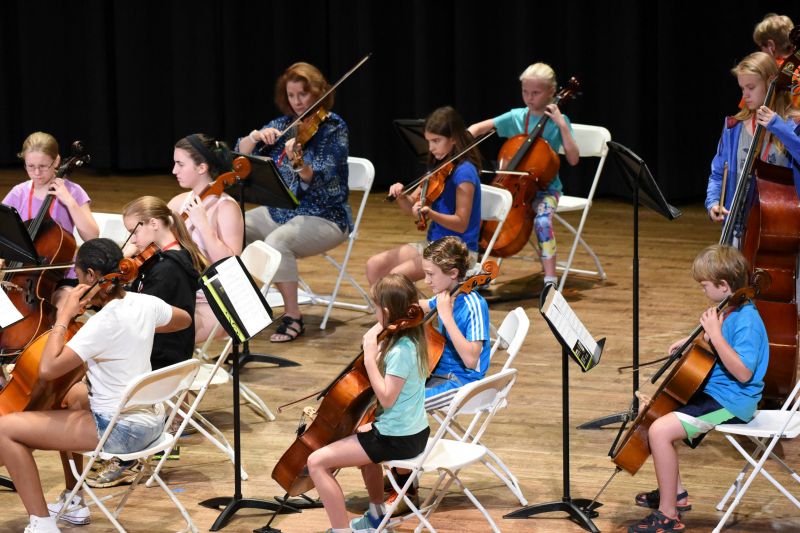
(730,394)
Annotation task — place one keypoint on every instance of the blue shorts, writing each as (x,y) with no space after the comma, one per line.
(439,383)
(126,437)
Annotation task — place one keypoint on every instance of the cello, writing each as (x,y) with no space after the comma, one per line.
(30,291)
(530,154)
(766,220)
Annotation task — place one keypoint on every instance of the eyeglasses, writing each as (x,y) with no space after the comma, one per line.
(33,169)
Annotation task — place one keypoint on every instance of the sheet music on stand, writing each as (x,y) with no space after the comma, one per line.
(237,303)
(570,330)
(8,313)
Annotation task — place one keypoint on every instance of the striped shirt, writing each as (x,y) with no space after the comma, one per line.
(471,315)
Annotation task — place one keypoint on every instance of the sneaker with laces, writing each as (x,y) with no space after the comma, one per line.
(402,507)
(42,524)
(115,472)
(77,511)
(365,524)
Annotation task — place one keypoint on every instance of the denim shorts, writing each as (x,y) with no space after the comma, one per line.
(126,437)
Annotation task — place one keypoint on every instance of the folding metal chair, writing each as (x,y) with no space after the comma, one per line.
(495,205)
(448,457)
(765,430)
(361,174)
(591,142)
(150,389)
(510,337)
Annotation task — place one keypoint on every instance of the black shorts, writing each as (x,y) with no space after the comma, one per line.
(380,448)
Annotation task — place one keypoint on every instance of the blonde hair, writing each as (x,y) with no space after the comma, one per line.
(540,71)
(776,28)
(720,262)
(448,253)
(394,294)
(39,141)
(763,65)
(313,81)
(148,207)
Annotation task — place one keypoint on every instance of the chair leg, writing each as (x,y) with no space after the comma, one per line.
(475,502)
(190,527)
(255,402)
(505,475)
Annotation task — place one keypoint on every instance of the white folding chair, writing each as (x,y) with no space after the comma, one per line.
(591,141)
(361,174)
(150,389)
(111,227)
(765,430)
(510,337)
(495,205)
(448,457)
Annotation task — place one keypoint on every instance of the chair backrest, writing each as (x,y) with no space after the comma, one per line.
(361,175)
(495,205)
(591,140)
(481,399)
(511,334)
(160,385)
(261,260)
(110,225)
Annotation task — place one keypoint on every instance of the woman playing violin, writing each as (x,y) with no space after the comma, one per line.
(396,368)
(114,345)
(781,145)
(215,222)
(730,395)
(316,173)
(538,88)
(457,211)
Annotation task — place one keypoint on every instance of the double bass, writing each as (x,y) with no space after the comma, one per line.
(530,154)
(30,291)
(767,221)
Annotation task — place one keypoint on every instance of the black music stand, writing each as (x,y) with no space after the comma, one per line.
(580,510)
(645,191)
(264,186)
(412,131)
(230,315)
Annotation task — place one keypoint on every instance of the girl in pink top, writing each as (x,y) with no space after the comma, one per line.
(215,223)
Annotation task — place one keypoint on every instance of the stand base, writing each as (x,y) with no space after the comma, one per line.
(7,483)
(302,502)
(577,510)
(599,423)
(232,505)
(245,358)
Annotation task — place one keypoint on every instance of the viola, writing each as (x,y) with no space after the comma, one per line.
(767,227)
(344,404)
(30,291)
(531,154)
(695,362)
(24,390)
(241,168)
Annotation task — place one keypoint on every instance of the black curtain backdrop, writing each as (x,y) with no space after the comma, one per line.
(129,78)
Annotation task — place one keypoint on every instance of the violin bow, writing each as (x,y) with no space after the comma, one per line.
(324,96)
(413,185)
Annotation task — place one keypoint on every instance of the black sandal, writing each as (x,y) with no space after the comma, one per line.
(287,327)
(656,522)
(652,500)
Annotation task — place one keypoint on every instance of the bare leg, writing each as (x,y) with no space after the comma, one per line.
(21,433)
(321,463)
(402,260)
(373,480)
(204,322)
(291,308)
(662,436)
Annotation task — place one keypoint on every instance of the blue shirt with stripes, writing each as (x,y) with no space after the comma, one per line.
(471,315)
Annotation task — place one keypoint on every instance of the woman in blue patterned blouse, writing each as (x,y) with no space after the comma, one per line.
(318,177)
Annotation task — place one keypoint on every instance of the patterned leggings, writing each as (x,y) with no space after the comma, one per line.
(544,205)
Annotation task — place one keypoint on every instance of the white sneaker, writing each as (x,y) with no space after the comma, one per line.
(77,512)
(42,524)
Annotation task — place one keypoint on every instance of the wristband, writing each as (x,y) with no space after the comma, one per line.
(60,326)
(250,135)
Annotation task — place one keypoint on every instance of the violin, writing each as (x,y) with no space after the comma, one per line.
(240,170)
(30,291)
(430,190)
(539,164)
(695,360)
(308,128)
(24,390)
(344,404)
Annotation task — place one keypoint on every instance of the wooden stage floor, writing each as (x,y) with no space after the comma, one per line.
(526,435)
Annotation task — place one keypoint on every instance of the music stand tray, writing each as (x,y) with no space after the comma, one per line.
(264,185)
(15,241)
(412,131)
